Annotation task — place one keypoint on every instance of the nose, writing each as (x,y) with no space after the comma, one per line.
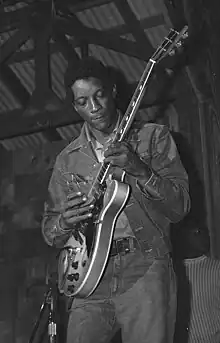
(94,105)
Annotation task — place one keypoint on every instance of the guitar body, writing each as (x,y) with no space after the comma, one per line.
(80,269)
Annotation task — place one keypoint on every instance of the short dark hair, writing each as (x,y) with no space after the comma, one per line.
(108,75)
(85,68)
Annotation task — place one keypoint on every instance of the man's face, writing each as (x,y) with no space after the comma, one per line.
(95,104)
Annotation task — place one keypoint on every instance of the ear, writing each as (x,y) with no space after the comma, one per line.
(114,91)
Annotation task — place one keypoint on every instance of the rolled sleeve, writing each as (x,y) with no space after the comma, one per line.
(52,231)
(167,188)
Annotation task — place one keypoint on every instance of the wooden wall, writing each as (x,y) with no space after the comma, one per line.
(25,259)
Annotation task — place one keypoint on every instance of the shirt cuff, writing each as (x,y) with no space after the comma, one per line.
(58,226)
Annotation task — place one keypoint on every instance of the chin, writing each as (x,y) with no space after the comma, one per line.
(103,127)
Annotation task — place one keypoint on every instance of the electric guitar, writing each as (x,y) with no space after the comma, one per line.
(83,259)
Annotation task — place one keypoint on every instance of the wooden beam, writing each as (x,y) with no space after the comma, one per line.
(44,121)
(61,44)
(42,97)
(133,24)
(52,135)
(14,84)
(145,23)
(85,5)
(42,61)
(15,19)
(84,49)
(14,124)
(106,40)
(9,47)
(25,55)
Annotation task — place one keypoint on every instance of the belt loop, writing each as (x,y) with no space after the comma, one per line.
(131,244)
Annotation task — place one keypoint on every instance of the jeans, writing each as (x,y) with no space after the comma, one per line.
(136,294)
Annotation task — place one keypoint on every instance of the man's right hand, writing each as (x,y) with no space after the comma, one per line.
(77,207)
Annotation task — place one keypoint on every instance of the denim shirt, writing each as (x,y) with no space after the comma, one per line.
(163,199)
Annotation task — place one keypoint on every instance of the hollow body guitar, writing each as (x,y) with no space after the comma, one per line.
(83,259)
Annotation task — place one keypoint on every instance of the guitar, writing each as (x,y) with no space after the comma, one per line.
(83,259)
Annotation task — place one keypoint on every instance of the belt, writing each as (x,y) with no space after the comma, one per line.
(123,246)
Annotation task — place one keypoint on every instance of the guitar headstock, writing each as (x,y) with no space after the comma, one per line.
(170,44)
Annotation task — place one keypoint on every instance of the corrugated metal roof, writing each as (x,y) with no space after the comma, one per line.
(58,68)
(101,17)
(26,73)
(24,141)
(7,100)
(4,36)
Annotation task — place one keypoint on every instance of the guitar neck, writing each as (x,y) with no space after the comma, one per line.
(126,121)
(133,106)
(173,40)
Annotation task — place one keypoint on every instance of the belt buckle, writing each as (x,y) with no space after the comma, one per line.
(119,244)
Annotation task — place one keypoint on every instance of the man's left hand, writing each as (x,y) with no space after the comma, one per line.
(121,155)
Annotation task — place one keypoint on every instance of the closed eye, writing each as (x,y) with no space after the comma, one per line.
(100,94)
(81,102)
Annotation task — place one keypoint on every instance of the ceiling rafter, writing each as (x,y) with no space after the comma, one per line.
(63,45)
(10,46)
(14,19)
(14,84)
(45,120)
(84,48)
(21,56)
(65,23)
(42,63)
(40,122)
(85,5)
(104,39)
(29,54)
(43,96)
(133,24)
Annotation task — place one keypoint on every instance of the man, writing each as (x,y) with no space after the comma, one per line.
(137,291)
(201,294)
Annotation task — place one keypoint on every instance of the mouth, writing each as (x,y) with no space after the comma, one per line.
(99,118)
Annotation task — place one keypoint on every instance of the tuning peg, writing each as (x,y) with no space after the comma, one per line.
(178,44)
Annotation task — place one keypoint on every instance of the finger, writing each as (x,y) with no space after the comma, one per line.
(83,210)
(74,195)
(75,220)
(89,201)
(77,212)
(75,202)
